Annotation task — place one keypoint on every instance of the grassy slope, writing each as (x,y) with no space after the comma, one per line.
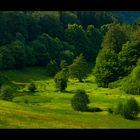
(49,109)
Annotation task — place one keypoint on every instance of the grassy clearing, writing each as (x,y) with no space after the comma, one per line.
(51,109)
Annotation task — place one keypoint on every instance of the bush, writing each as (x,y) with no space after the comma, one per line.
(61,84)
(94,109)
(130,109)
(80,100)
(110,110)
(6,93)
(119,109)
(61,79)
(32,87)
(132,84)
(52,68)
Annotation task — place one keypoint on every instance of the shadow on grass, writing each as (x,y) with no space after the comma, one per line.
(89,81)
(64,92)
(94,109)
(137,119)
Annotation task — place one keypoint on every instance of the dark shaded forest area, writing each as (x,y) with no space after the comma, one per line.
(35,38)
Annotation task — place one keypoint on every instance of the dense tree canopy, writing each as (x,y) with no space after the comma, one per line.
(108,68)
(35,38)
(79,68)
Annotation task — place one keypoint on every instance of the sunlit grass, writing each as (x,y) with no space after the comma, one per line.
(51,109)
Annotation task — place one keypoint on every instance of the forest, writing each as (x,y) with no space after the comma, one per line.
(57,66)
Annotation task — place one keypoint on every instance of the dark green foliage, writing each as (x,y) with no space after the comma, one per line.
(7,61)
(127,16)
(30,54)
(12,23)
(32,87)
(68,18)
(40,53)
(95,39)
(3,79)
(116,36)
(104,28)
(6,93)
(51,24)
(135,34)
(110,110)
(34,38)
(132,84)
(138,62)
(130,109)
(128,56)
(95,18)
(61,79)
(108,68)
(117,83)
(94,109)
(119,110)
(26,101)
(18,52)
(46,49)
(80,100)
(63,64)
(68,53)
(131,87)
(95,36)
(52,68)
(76,36)
(79,69)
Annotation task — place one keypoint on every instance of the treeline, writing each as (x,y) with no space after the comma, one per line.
(34,38)
(119,58)
(127,16)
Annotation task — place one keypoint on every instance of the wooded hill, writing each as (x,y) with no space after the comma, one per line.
(35,38)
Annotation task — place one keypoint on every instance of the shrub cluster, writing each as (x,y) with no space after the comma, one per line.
(32,87)
(80,100)
(128,109)
(6,93)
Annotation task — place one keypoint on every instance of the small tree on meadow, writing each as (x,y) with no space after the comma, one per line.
(32,87)
(79,69)
(6,93)
(61,79)
(80,100)
(130,109)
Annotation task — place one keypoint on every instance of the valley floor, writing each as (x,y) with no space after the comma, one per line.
(50,109)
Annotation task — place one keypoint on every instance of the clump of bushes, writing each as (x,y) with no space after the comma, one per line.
(132,84)
(3,79)
(6,93)
(80,101)
(128,109)
(52,68)
(32,87)
(94,109)
(61,79)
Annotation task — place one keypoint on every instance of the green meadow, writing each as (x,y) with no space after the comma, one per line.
(51,109)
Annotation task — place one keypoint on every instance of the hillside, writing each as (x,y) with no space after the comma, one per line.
(69,69)
(49,109)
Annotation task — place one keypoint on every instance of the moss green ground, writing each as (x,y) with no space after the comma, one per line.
(50,109)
